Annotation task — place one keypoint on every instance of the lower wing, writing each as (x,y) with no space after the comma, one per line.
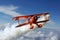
(40,22)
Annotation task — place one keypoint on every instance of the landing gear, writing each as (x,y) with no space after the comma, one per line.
(40,26)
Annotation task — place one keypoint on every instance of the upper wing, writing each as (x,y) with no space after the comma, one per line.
(28,16)
(20,17)
(45,13)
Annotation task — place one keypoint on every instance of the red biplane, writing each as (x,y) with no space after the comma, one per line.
(32,19)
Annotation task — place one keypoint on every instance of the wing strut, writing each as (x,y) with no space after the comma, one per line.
(18,22)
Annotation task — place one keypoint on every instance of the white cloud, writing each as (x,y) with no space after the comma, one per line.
(9,10)
(11,32)
(39,35)
(51,22)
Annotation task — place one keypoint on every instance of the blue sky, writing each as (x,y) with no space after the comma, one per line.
(26,7)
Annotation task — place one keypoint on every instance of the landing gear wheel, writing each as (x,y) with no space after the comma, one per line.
(40,26)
